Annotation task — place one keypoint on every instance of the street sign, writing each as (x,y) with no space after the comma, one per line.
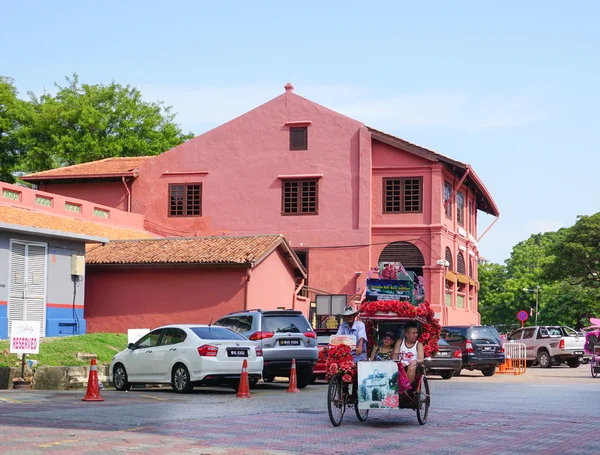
(25,337)
(522,315)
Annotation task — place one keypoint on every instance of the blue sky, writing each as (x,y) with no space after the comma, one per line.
(511,88)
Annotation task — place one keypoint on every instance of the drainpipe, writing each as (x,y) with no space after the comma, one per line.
(298,289)
(246,290)
(128,194)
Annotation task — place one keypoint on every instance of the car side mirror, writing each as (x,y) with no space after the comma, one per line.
(131,346)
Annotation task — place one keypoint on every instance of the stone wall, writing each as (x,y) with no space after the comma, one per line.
(54,378)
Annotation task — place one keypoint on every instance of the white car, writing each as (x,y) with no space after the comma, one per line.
(185,356)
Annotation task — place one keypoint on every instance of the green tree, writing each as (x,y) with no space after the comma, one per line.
(84,123)
(14,114)
(576,257)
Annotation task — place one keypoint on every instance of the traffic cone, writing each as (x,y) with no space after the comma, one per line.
(244,387)
(93,391)
(293,388)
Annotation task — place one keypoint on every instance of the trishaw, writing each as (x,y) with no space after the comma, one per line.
(592,345)
(376,382)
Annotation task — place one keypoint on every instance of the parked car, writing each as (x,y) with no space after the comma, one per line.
(185,356)
(323,335)
(283,335)
(550,345)
(480,346)
(446,362)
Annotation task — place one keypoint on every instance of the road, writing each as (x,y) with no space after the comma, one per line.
(555,411)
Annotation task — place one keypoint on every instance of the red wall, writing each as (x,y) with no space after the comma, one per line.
(121,299)
(272,284)
(111,194)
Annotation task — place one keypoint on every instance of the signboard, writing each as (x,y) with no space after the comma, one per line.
(135,334)
(381,289)
(522,315)
(25,337)
(348,340)
(377,385)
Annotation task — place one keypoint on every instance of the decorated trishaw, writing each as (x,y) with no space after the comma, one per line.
(592,345)
(373,385)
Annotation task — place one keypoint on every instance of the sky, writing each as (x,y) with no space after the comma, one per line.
(512,88)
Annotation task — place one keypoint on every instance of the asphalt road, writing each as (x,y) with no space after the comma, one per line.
(555,411)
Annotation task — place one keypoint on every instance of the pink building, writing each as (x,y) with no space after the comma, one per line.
(346,196)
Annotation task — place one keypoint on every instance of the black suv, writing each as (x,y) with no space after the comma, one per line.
(480,344)
(283,335)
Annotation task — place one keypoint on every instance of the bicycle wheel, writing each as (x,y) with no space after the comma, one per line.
(593,366)
(424,399)
(335,401)
(361,414)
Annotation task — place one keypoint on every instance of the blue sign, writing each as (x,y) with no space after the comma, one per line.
(389,290)
(522,315)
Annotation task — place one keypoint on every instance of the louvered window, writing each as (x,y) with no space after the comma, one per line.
(460,208)
(449,259)
(470,268)
(404,252)
(300,197)
(185,199)
(447,196)
(299,138)
(402,195)
(460,263)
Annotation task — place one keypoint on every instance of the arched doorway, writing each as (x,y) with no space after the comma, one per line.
(405,252)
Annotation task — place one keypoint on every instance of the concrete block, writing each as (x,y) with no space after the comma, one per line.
(51,378)
(5,378)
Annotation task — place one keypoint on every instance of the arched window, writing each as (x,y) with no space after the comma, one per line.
(460,264)
(449,258)
(404,252)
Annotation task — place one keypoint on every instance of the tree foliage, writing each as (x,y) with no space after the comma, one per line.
(552,261)
(82,123)
(14,116)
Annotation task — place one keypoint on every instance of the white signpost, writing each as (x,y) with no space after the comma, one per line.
(24,339)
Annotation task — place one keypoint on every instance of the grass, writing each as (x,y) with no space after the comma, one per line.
(62,351)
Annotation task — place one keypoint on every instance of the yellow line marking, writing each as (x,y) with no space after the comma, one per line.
(156,398)
(58,443)
(137,428)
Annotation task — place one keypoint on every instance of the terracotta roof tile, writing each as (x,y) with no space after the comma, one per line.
(108,167)
(199,250)
(31,218)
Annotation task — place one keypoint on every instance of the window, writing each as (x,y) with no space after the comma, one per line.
(402,195)
(470,268)
(299,138)
(460,208)
(447,195)
(528,333)
(69,207)
(449,258)
(150,340)
(460,263)
(173,336)
(216,333)
(300,197)
(185,200)
(470,216)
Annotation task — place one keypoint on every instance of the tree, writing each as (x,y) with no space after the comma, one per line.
(576,257)
(14,113)
(84,123)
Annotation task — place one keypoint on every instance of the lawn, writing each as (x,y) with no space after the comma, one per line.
(62,351)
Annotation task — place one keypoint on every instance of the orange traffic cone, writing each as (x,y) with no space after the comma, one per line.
(293,388)
(93,391)
(244,387)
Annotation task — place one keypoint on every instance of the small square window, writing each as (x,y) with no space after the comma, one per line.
(185,199)
(299,138)
(300,197)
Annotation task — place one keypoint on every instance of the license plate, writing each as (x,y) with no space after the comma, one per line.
(578,352)
(488,348)
(287,342)
(443,354)
(237,353)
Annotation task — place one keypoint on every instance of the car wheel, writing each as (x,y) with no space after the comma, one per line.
(557,362)
(573,363)
(544,359)
(180,379)
(585,361)
(304,378)
(252,380)
(120,378)
(268,378)
(457,372)
(446,374)
(488,371)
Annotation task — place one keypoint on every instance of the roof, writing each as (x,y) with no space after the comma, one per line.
(246,251)
(14,218)
(485,202)
(106,168)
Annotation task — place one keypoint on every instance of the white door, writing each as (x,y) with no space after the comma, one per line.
(27,283)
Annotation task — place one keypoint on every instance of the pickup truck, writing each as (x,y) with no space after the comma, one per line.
(550,345)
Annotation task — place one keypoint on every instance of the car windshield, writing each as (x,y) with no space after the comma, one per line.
(487,334)
(216,333)
(442,342)
(286,324)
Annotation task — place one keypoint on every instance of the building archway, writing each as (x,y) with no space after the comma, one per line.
(406,253)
